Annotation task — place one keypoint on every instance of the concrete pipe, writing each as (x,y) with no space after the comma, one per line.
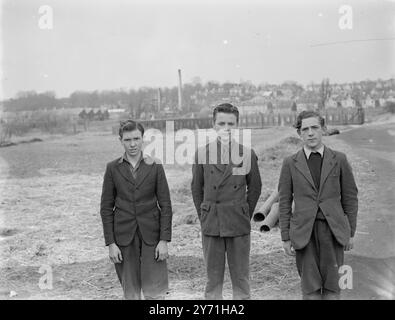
(271,219)
(263,211)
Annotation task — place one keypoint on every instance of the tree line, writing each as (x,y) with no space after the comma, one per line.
(195,96)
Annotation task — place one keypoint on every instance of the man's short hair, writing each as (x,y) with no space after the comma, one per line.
(308,114)
(130,125)
(226,108)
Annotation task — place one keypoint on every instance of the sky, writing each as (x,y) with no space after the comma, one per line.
(113,44)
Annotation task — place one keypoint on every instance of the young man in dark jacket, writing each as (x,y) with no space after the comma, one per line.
(226,185)
(136,214)
(321,183)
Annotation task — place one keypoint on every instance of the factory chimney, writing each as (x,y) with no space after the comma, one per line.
(179,90)
(159,97)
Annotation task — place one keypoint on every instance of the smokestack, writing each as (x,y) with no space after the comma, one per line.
(159,102)
(179,90)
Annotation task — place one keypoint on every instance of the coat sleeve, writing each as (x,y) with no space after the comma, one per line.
(163,196)
(254,184)
(197,184)
(107,206)
(349,194)
(285,193)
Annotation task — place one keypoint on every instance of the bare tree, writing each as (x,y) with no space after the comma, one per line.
(294,107)
(270,107)
(325,93)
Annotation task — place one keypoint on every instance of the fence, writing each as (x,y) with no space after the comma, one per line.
(260,120)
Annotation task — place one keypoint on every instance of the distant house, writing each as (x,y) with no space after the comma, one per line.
(268,94)
(116,110)
(287,94)
(307,101)
(252,109)
(304,106)
(368,102)
(313,87)
(116,114)
(391,98)
(348,102)
(381,101)
(257,100)
(379,85)
(331,102)
(236,91)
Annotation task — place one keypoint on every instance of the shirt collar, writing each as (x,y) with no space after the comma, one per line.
(125,158)
(147,159)
(307,151)
(231,143)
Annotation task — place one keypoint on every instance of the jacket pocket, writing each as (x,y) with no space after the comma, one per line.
(246,209)
(335,172)
(204,209)
(156,213)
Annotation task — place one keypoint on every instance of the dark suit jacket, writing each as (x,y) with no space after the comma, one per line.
(127,203)
(224,197)
(337,198)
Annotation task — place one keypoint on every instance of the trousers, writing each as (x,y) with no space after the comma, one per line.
(319,261)
(237,252)
(139,272)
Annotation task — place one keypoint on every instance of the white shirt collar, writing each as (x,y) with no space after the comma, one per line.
(307,151)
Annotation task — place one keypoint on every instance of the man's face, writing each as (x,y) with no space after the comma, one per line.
(132,141)
(224,124)
(311,133)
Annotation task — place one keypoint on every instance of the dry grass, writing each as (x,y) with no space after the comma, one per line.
(50,215)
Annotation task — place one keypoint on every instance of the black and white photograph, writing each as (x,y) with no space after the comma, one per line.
(197,150)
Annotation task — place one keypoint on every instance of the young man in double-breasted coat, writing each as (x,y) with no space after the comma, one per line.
(226,185)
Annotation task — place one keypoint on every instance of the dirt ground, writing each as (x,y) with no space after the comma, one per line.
(49,216)
(373,259)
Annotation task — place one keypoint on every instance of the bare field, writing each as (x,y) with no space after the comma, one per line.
(49,215)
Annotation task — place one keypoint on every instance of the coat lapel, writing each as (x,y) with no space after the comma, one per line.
(213,153)
(301,165)
(227,173)
(228,169)
(125,171)
(328,163)
(220,167)
(142,172)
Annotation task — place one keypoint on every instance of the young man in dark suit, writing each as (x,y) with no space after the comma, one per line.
(136,214)
(321,183)
(226,185)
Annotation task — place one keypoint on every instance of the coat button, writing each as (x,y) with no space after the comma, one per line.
(217,201)
(215,187)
